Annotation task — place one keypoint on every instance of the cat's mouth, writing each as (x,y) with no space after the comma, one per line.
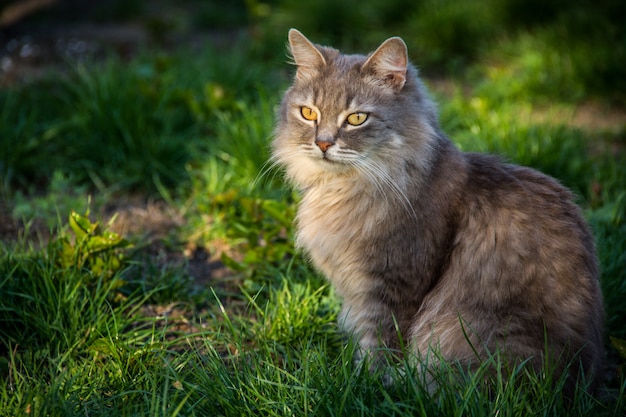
(337,160)
(323,155)
(334,164)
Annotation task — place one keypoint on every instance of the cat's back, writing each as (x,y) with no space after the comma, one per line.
(527,219)
(521,203)
(489,176)
(513,205)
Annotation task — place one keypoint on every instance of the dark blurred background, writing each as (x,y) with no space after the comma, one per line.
(580,45)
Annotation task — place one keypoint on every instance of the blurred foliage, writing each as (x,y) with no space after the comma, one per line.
(579,44)
(550,46)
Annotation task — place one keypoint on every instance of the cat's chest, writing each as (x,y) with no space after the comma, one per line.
(334,225)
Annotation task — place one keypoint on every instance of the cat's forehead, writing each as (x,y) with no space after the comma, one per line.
(340,63)
(340,83)
(334,94)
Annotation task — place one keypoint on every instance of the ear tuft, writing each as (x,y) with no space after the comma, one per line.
(305,54)
(389,62)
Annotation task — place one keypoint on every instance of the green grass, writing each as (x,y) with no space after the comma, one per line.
(102,327)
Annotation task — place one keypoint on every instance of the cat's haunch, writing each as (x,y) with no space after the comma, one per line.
(463,254)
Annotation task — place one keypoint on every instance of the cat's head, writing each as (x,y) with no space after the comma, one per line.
(351,115)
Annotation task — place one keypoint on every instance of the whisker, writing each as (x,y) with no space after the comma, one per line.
(271,165)
(275,162)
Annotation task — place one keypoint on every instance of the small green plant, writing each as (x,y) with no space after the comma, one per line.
(59,295)
(100,252)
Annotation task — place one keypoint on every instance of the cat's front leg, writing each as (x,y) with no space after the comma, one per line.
(367,351)
(371,353)
(369,326)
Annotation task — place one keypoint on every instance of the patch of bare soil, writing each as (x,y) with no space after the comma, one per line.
(13,229)
(597,116)
(156,224)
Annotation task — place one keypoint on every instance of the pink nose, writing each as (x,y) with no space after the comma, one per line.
(323,145)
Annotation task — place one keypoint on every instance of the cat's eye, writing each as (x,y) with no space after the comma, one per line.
(308,113)
(356,119)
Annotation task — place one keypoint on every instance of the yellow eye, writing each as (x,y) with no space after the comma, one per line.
(308,113)
(356,119)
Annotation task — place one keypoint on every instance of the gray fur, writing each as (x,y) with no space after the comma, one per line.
(419,237)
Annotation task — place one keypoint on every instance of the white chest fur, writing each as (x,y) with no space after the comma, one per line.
(333,224)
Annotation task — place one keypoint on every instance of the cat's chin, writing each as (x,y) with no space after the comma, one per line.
(310,171)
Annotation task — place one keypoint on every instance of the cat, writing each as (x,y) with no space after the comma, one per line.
(429,247)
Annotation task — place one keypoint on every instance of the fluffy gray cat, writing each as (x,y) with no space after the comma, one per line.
(455,253)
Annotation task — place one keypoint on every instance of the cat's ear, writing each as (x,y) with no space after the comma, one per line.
(305,55)
(389,62)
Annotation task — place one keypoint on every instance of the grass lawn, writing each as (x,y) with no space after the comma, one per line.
(146,256)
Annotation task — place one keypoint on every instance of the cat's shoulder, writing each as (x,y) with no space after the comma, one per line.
(492,176)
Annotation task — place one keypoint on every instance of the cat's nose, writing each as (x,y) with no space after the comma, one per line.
(324,144)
